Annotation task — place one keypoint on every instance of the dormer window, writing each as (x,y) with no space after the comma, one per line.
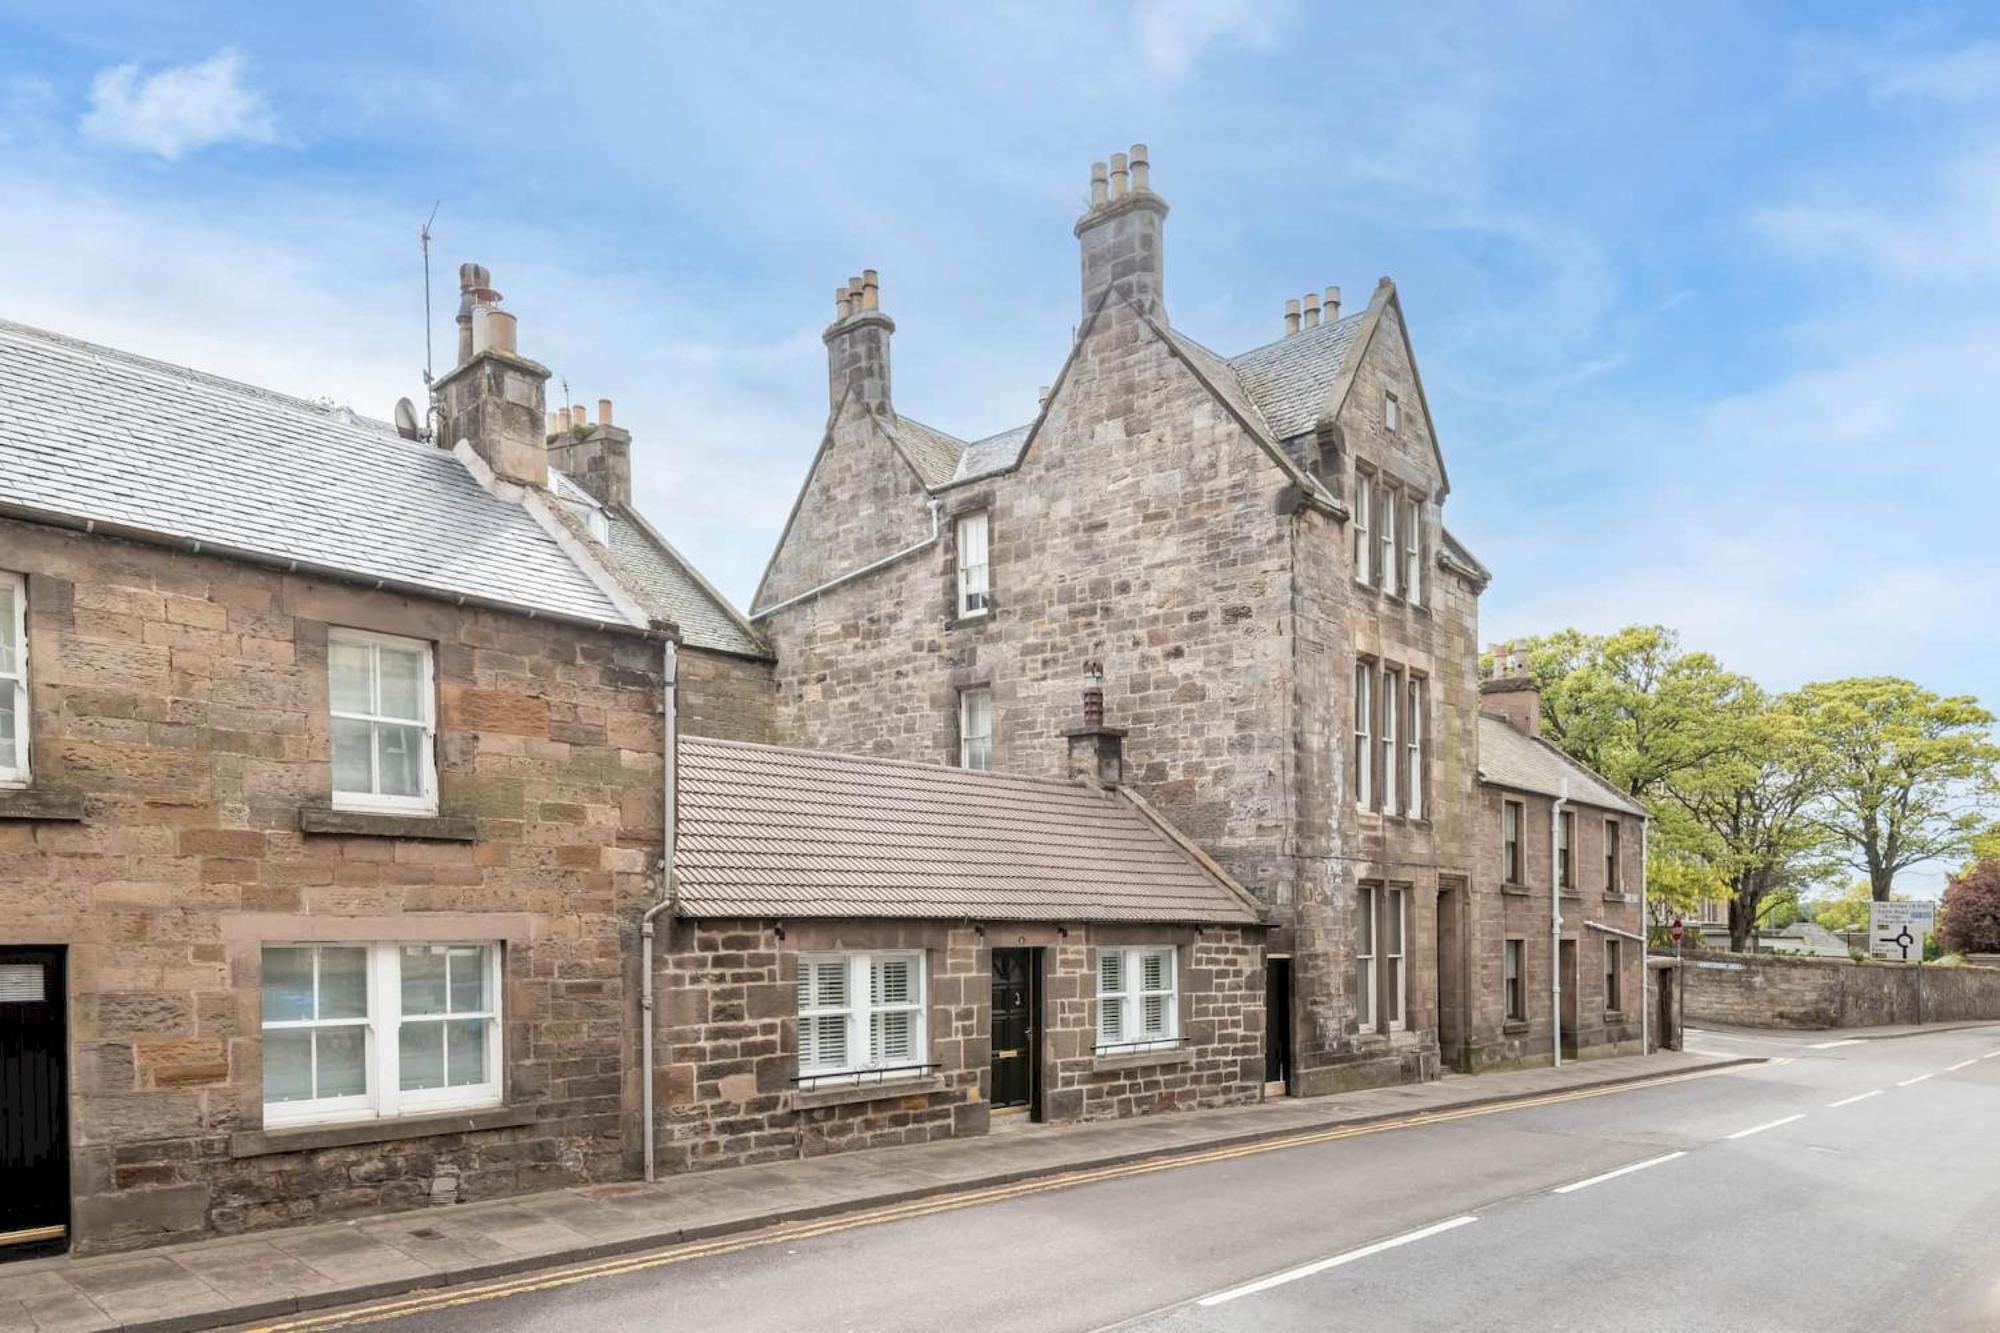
(1392,412)
(974,592)
(599,524)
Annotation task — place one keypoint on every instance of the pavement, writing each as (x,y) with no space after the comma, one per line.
(1844,1182)
(270,1276)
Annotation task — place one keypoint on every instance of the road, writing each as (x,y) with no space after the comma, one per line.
(1843,1185)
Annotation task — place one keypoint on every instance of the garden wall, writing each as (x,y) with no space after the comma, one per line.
(1766,991)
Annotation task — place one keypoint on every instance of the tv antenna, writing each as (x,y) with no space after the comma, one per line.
(424,238)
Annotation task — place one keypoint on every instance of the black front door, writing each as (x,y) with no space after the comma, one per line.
(1016,1039)
(1278,1021)
(34,1103)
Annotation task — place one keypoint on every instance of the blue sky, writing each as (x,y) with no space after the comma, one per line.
(1704,295)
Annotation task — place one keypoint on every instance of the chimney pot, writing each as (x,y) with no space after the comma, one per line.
(555,427)
(604,411)
(1141,168)
(1119,176)
(1332,304)
(871,290)
(1312,310)
(1096,752)
(1098,184)
(493,330)
(1291,316)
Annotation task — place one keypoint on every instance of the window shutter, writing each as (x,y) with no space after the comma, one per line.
(890,981)
(894,1038)
(1111,996)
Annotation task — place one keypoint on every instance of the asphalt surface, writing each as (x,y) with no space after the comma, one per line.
(1841,1186)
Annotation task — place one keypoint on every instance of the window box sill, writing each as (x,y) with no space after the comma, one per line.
(308,1138)
(1514,1027)
(1106,1064)
(50,807)
(850,1094)
(361,824)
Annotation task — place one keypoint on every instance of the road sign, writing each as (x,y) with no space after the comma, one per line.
(1896,930)
(1677,930)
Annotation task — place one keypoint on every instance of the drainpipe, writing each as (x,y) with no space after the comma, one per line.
(1645,936)
(1556,925)
(670,781)
(937,529)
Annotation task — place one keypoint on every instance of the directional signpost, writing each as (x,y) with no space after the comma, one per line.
(1896,930)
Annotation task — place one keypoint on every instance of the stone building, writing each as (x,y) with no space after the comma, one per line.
(1561,861)
(330,794)
(1252,546)
(873,951)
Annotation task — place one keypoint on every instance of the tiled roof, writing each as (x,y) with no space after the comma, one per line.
(91,434)
(773,832)
(1525,763)
(675,592)
(933,453)
(1291,379)
(995,453)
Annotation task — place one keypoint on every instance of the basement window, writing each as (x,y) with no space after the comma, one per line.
(375,1031)
(13,680)
(379,695)
(1137,1001)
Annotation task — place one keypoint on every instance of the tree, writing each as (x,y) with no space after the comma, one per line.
(1846,910)
(1631,705)
(1909,775)
(1745,809)
(1970,918)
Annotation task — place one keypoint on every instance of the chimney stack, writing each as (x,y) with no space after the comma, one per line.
(857,345)
(1121,233)
(1096,752)
(595,457)
(494,399)
(1510,692)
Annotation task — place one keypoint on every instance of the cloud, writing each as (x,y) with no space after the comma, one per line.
(1172,34)
(1969,74)
(1930,231)
(27,107)
(177,110)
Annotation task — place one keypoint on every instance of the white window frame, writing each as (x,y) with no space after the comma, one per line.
(1385,537)
(1513,819)
(975,589)
(383,1097)
(1368,901)
(1364,733)
(1413,747)
(975,744)
(1413,565)
(1392,412)
(1614,983)
(1391,695)
(1127,997)
(1364,546)
(859,1011)
(1397,983)
(426,802)
(1513,982)
(16,682)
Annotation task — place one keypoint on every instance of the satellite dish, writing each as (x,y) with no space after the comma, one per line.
(406,420)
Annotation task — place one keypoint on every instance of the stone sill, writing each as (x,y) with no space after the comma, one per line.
(1622,899)
(51,807)
(1516,890)
(1514,1027)
(850,1094)
(356,824)
(969,622)
(1107,1064)
(309,1138)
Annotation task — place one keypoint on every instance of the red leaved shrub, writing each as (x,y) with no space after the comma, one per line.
(1970,920)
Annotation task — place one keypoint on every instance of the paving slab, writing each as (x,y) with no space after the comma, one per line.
(240,1279)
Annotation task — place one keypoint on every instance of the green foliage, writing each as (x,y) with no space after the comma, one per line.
(1907,776)
(1846,910)
(1969,916)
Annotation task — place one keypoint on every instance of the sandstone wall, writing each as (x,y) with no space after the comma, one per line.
(1766,991)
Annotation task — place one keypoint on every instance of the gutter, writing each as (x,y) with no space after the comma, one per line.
(669,894)
(937,529)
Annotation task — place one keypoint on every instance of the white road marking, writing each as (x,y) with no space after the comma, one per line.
(1320,1266)
(1908,1081)
(1991,1055)
(1952,1069)
(1829,1045)
(1857,1097)
(1769,1124)
(1613,1175)
(1695,1050)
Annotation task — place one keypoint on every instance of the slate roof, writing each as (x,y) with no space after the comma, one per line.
(1526,763)
(674,590)
(933,453)
(92,434)
(771,832)
(995,453)
(1291,379)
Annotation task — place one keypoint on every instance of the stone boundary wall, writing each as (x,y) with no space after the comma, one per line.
(1766,991)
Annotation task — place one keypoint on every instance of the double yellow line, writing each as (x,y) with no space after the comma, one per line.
(428,1301)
